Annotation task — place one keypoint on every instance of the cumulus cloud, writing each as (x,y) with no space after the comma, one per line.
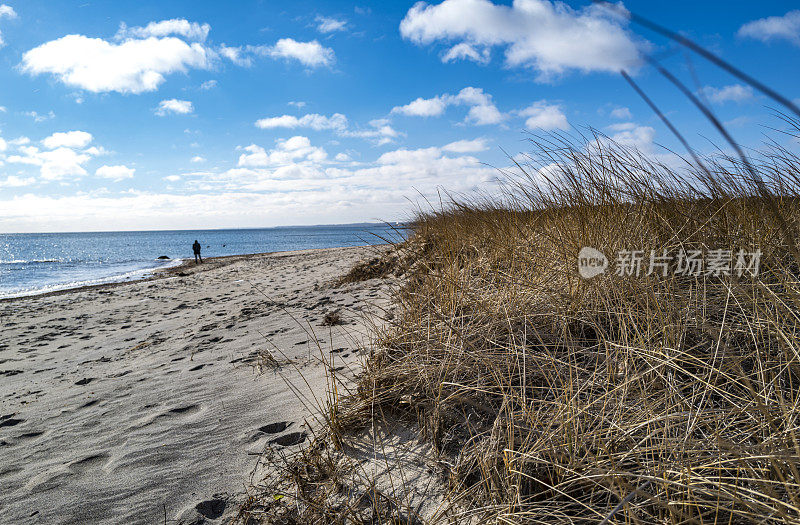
(786,27)
(237,55)
(311,54)
(550,38)
(65,154)
(313,191)
(6,11)
(732,93)
(174,107)
(622,113)
(632,134)
(337,121)
(482,110)
(290,151)
(466,146)
(542,115)
(464,51)
(379,131)
(13,181)
(69,139)
(208,84)
(131,66)
(197,159)
(423,107)
(55,164)
(116,173)
(176,26)
(330,25)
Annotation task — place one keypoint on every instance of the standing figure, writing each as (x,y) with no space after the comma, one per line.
(196,248)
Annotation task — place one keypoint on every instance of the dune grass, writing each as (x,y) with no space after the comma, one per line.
(550,398)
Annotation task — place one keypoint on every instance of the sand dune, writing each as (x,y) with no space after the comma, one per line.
(130,403)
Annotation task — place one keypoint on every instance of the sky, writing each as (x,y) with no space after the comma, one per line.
(121,115)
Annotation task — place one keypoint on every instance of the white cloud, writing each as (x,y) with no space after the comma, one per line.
(484,114)
(342,157)
(237,55)
(622,113)
(197,159)
(732,93)
(542,115)
(6,11)
(482,109)
(549,38)
(65,154)
(12,181)
(116,173)
(3,109)
(464,51)
(297,104)
(632,134)
(310,54)
(54,164)
(175,107)
(786,27)
(69,139)
(303,191)
(287,152)
(330,25)
(422,107)
(172,178)
(466,146)
(38,117)
(132,66)
(337,121)
(3,145)
(176,26)
(208,84)
(379,131)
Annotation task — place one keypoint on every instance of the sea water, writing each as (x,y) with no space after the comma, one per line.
(34,263)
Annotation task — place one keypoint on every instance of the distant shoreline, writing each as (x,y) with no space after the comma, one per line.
(187,267)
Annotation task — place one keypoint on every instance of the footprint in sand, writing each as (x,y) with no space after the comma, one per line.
(293,438)
(9,421)
(212,508)
(274,428)
(84,381)
(195,368)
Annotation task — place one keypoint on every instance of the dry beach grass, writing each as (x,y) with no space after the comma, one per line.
(518,392)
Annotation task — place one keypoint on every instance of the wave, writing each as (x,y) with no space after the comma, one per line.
(133,275)
(33,261)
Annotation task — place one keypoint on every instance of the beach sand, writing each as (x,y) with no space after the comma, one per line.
(143,401)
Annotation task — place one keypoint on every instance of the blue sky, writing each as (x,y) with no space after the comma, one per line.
(161,115)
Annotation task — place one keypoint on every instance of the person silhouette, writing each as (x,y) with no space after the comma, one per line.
(196,248)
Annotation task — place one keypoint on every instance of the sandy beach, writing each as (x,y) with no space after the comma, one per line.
(152,400)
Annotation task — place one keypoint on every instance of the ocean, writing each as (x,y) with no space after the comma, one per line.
(34,263)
